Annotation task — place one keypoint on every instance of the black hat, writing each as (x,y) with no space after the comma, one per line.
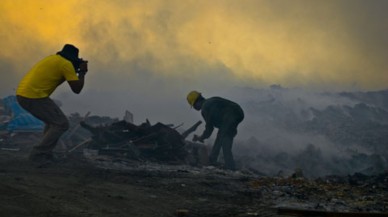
(69,52)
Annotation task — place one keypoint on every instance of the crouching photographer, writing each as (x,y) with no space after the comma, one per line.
(34,90)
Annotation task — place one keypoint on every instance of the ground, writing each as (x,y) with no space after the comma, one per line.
(79,188)
(84,184)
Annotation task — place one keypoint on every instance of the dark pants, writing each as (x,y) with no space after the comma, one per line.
(56,122)
(224,140)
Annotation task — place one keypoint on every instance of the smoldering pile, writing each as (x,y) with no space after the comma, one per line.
(159,142)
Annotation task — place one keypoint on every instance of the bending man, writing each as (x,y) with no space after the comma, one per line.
(222,114)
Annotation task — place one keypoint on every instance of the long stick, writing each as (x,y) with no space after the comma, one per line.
(191,129)
(82,143)
(77,126)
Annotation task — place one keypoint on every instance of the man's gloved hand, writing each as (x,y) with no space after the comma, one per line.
(197,138)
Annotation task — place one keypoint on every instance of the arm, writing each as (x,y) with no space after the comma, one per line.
(207,115)
(77,85)
(208,128)
(207,132)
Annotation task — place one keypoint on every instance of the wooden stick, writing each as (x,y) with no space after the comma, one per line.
(77,126)
(191,129)
(65,142)
(82,143)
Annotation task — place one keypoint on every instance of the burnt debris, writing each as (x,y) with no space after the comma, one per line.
(158,142)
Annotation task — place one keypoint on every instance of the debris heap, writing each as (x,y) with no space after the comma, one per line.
(158,142)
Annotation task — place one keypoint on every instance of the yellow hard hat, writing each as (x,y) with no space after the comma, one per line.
(192,97)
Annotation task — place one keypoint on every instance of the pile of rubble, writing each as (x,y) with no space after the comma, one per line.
(356,193)
(159,142)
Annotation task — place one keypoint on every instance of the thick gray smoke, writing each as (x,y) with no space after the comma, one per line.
(320,133)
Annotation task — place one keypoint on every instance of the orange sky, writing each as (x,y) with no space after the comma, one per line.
(292,43)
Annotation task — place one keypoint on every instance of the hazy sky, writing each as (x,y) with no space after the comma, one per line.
(145,56)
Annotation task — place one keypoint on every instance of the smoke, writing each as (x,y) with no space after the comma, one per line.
(9,70)
(322,45)
(320,133)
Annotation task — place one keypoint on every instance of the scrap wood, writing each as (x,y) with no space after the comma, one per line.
(157,141)
(320,213)
(66,141)
(80,144)
(191,129)
(176,127)
(72,131)
(146,137)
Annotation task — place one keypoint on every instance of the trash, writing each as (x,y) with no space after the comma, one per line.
(153,142)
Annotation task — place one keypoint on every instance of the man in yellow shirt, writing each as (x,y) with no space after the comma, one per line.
(34,90)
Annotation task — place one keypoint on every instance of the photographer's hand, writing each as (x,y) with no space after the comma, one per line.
(83,67)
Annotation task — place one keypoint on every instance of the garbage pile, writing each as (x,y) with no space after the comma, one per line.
(354,193)
(158,142)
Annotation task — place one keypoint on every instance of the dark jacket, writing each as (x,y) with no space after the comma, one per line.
(222,114)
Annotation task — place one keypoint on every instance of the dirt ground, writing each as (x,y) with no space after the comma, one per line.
(80,188)
(85,184)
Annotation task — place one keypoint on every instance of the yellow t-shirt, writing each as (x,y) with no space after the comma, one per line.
(46,76)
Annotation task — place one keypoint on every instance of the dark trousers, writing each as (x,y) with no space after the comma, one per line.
(55,121)
(224,140)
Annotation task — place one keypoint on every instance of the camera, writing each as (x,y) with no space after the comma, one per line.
(81,66)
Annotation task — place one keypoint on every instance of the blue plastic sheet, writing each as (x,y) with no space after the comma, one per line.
(22,121)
